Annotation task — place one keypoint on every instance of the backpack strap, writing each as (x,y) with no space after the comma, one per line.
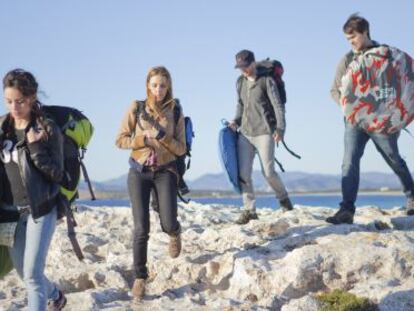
(71,223)
(139,111)
(349,57)
(177,110)
(142,113)
(279,164)
(186,201)
(86,177)
(290,151)
(239,84)
(64,207)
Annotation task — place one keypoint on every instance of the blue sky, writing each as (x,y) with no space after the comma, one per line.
(95,55)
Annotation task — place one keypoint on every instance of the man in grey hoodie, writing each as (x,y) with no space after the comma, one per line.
(356,31)
(260,119)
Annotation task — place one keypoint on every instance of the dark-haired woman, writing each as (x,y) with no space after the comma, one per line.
(156,141)
(32,156)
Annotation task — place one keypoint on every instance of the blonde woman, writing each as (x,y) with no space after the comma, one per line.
(156,140)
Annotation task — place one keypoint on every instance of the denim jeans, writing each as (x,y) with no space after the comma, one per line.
(140,184)
(264,146)
(386,144)
(29,254)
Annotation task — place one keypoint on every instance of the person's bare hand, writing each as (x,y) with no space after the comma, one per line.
(277,137)
(233,125)
(34,135)
(150,133)
(151,142)
(395,129)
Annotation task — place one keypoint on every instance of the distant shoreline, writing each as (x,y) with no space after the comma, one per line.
(230,194)
(299,194)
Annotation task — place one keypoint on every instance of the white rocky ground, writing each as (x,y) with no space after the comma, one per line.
(278,262)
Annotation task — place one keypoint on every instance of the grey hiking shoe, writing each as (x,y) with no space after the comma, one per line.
(410,206)
(343,216)
(245,217)
(286,205)
(138,289)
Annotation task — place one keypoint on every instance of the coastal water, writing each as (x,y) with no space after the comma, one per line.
(327,200)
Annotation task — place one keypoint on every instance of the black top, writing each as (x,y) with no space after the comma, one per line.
(14,191)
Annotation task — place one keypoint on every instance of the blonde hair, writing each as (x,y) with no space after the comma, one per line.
(168,99)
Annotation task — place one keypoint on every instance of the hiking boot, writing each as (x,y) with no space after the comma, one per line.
(138,289)
(286,205)
(58,304)
(343,216)
(245,217)
(410,206)
(175,245)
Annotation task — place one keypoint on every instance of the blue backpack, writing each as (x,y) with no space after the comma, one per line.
(189,131)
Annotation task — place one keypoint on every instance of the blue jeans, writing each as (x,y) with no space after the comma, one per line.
(29,254)
(355,142)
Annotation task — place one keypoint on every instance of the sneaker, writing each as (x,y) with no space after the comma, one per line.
(410,206)
(253,216)
(245,217)
(286,205)
(175,245)
(138,289)
(343,216)
(58,304)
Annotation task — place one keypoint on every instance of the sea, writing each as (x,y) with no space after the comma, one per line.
(384,201)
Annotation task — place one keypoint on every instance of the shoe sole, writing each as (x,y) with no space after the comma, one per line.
(339,223)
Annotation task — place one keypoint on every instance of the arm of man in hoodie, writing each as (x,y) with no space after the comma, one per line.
(126,138)
(278,107)
(340,72)
(239,109)
(176,144)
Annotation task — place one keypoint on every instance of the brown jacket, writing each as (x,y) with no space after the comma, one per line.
(131,136)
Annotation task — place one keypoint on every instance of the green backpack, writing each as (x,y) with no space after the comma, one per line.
(77,132)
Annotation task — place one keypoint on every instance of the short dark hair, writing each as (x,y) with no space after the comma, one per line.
(356,23)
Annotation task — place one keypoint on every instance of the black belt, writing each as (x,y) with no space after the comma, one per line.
(156,168)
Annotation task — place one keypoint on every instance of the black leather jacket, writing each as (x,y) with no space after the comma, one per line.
(41,167)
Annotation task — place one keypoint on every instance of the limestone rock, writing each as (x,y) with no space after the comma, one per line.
(278,262)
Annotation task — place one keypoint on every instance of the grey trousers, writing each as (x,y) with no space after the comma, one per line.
(264,146)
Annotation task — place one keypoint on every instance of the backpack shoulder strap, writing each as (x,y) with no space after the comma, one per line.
(349,58)
(239,84)
(177,110)
(140,106)
(139,111)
